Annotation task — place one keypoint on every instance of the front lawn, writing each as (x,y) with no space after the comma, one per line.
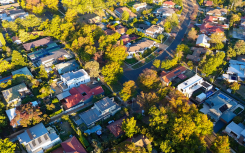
(131,61)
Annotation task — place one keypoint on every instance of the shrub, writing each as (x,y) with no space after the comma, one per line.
(56,113)
(53,148)
(237,119)
(55,101)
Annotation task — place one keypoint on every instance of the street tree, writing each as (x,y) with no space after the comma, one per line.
(128,91)
(147,100)
(2,40)
(112,72)
(221,144)
(7,146)
(71,15)
(26,115)
(125,16)
(167,64)
(192,35)
(235,86)
(240,47)
(52,4)
(148,80)
(129,127)
(93,67)
(157,63)
(217,37)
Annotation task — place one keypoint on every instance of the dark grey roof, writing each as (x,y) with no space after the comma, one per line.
(55,55)
(76,74)
(91,116)
(105,103)
(15,11)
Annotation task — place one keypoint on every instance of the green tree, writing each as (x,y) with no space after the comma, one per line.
(125,16)
(192,35)
(167,26)
(129,127)
(240,47)
(7,146)
(231,52)
(116,53)
(157,63)
(235,86)
(52,4)
(18,59)
(111,72)
(55,100)
(190,64)
(71,15)
(50,107)
(2,40)
(167,64)
(234,18)
(160,37)
(166,147)
(45,91)
(219,46)
(4,66)
(93,67)
(128,91)
(217,38)
(42,74)
(221,144)
(148,80)
(212,63)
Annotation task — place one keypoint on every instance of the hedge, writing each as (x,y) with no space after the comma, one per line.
(53,148)
(56,113)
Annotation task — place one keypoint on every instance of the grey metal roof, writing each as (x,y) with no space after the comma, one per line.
(90,116)
(55,55)
(67,66)
(37,130)
(105,103)
(76,74)
(23,70)
(63,95)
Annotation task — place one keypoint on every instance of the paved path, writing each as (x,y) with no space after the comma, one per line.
(133,74)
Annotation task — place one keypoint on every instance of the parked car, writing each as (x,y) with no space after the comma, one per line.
(112,121)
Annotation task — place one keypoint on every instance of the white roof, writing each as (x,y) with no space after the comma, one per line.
(202,96)
(190,82)
(237,67)
(202,39)
(11,114)
(235,128)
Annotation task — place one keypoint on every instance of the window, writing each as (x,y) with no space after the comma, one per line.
(233,133)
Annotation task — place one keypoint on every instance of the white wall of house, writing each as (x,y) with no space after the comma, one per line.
(76,81)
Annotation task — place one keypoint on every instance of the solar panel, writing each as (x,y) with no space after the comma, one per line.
(223,108)
(177,71)
(45,137)
(33,143)
(39,140)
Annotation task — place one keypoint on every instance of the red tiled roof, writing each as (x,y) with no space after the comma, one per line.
(76,95)
(210,18)
(116,127)
(122,9)
(121,29)
(175,72)
(72,145)
(208,28)
(169,3)
(209,3)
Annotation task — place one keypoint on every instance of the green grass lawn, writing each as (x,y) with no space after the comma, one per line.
(131,4)
(116,87)
(147,60)
(106,90)
(131,61)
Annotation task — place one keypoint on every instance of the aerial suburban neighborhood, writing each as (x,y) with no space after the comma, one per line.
(122,76)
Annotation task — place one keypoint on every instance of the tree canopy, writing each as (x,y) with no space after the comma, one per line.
(112,72)
(7,146)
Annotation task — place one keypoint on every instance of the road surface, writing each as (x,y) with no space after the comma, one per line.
(133,74)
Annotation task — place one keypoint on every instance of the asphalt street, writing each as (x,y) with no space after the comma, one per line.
(133,74)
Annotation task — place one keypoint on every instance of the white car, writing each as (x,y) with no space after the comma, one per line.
(112,121)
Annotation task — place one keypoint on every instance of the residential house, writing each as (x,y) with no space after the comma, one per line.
(154,31)
(38,138)
(139,141)
(196,54)
(168,4)
(202,41)
(116,127)
(4,2)
(140,47)
(23,70)
(217,12)
(14,94)
(222,107)
(12,14)
(209,28)
(121,29)
(109,32)
(102,109)
(54,57)
(81,94)
(209,3)
(101,25)
(71,145)
(16,40)
(139,6)
(4,7)
(68,66)
(11,113)
(193,84)
(214,19)
(119,11)
(164,12)
(235,71)
(74,79)
(41,42)
(126,39)
(157,1)
(166,78)
(236,131)
(243,24)
(94,20)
